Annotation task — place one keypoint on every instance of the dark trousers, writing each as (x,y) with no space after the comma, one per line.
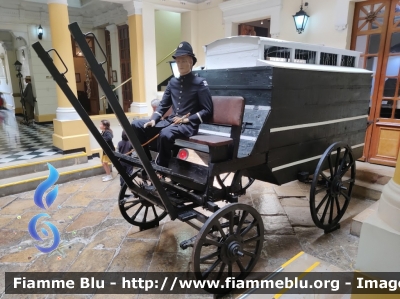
(128,169)
(30,110)
(165,142)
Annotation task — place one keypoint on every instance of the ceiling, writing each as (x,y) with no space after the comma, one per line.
(85,8)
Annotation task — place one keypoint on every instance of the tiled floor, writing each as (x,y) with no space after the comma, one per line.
(20,142)
(95,237)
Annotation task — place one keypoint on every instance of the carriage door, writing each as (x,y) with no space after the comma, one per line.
(376,33)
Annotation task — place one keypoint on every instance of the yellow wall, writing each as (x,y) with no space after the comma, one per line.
(168,37)
(210,28)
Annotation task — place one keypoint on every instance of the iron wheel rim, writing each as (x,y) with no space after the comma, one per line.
(337,192)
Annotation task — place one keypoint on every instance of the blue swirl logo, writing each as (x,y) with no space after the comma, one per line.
(38,199)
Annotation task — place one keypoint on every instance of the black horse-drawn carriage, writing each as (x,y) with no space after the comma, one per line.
(271,124)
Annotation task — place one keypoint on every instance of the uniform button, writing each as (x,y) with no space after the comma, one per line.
(177,109)
(181,91)
(179,103)
(181,80)
(181,85)
(180,97)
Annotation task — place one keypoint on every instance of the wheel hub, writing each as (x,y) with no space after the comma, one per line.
(232,249)
(336,185)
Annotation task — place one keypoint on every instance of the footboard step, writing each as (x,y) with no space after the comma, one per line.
(186,216)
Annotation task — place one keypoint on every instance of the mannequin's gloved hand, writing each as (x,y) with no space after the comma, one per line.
(151,123)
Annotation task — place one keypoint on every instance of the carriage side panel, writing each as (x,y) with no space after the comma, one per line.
(310,110)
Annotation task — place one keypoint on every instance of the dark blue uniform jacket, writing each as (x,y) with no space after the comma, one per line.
(187,94)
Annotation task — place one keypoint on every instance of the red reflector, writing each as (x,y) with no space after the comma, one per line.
(183,154)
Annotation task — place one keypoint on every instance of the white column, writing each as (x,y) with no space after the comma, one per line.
(150,59)
(115,60)
(378,250)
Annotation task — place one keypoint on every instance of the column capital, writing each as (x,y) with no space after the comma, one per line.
(57,2)
(7,45)
(112,28)
(133,7)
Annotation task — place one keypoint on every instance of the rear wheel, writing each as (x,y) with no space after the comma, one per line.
(332,186)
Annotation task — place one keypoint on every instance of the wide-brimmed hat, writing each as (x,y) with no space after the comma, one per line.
(185,48)
(28,77)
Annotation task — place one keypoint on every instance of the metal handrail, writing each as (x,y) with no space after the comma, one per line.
(172,52)
(126,81)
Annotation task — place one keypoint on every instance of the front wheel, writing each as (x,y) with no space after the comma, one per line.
(228,245)
(136,210)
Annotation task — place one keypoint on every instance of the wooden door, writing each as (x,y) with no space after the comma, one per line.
(108,53)
(125,60)
(88,78)
(376,33)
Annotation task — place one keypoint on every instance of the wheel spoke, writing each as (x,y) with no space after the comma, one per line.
(231,216)
(330,165)
(320,190)
(349,181)
(345,195)
(137,212)
(324,176)
(221,271)
(212,242)
(346,152)
(256,238)
(244,215)
(220,229)
(245,252)
(209,256)
(247,229)
(322,202)
(343,172)
(331,211)
(145,214)
(223,180)
(211,268)
(325,210)
(337,205)
(133,203)
(337,160)
(155,213)
(239,263)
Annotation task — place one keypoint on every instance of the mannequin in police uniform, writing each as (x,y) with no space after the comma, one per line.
(186,94)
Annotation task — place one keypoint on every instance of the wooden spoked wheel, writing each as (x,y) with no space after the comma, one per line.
(331,186)
(243,181)
(228,245)
(138,211)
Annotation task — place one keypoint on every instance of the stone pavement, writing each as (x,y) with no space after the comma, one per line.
(95,237)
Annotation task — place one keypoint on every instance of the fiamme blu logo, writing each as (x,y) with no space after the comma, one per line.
(40,200)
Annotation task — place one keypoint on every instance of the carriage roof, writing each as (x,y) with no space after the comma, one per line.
(248,51)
